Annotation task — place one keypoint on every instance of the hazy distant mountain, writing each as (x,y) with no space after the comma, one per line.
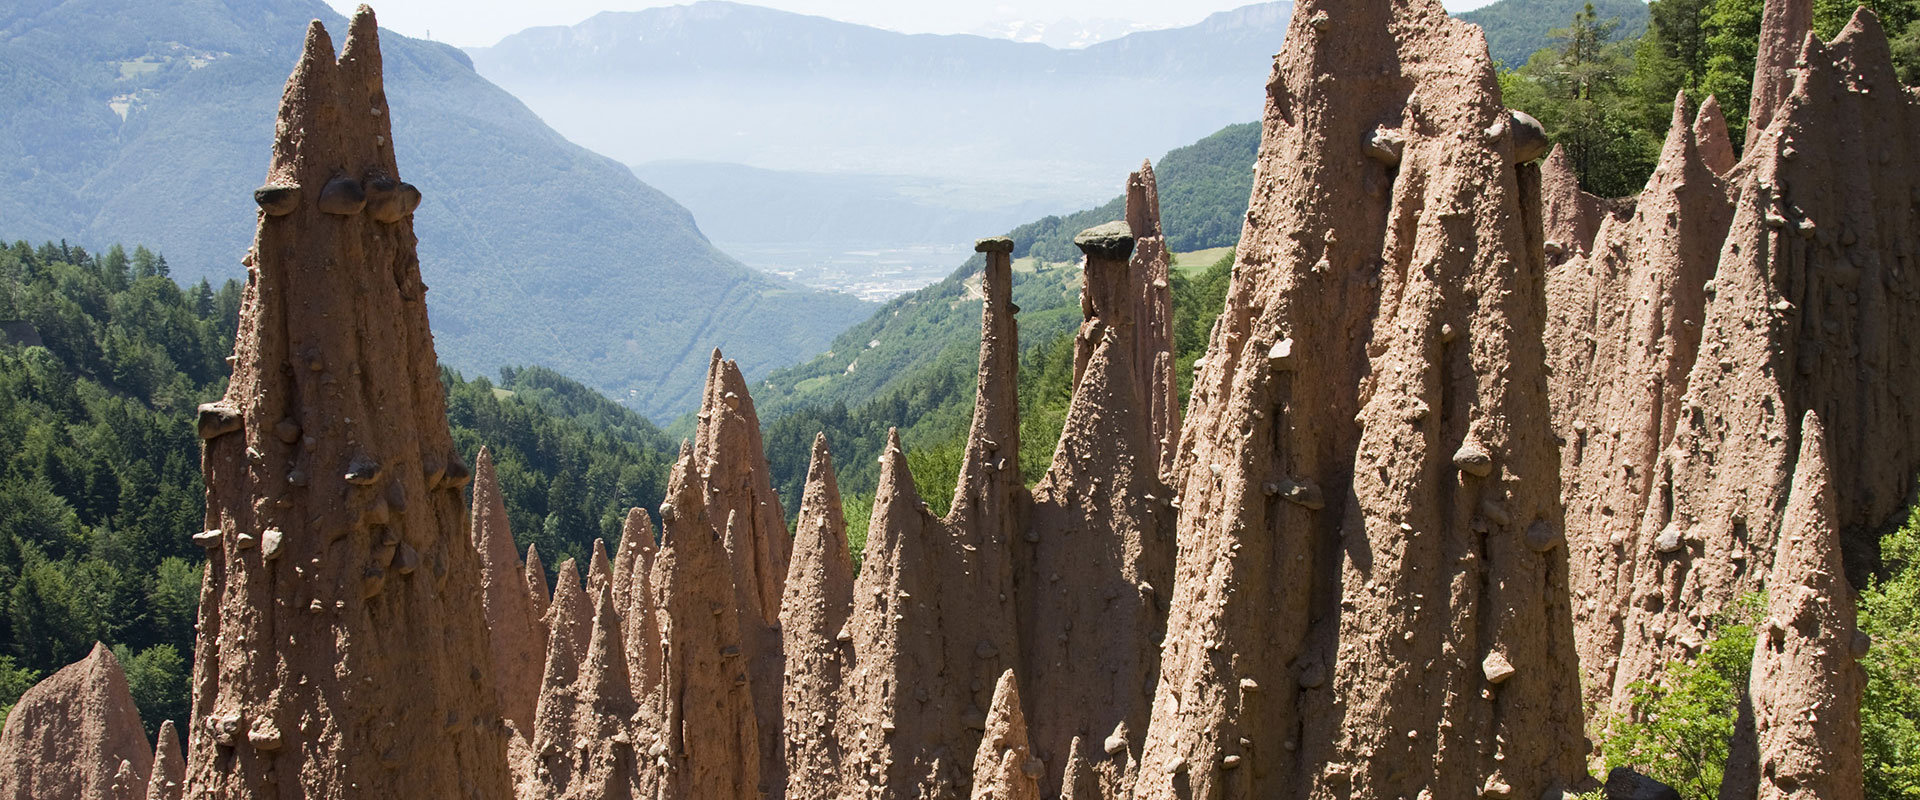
(1066,34)
(725,82)
(151,122)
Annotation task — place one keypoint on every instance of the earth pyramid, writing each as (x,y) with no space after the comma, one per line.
(341,642)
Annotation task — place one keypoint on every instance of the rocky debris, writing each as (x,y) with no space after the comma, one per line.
(1337,651)
(1570,217)
(1804,313)
(1784,27)
(169,778)
(1005,768)
(1806,683)
(707,745)
(516,637)
(77,734)
(1625,784)
(1530,140)
(1153,354)
(373,608)
(1092,572)
(813,620)
(739,493)
(1630,311)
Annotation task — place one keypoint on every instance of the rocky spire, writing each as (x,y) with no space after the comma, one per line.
(710,738)
(539,599)
(169,777)
(571,607)
(336,538)
(1005,768)
(636,553)
(1107,292)
(1570,216)
(1080,779)
(813,620)
(1095,568)
(517,640)
(77,735)
(733,462)
(1631,311)
(1153,316)
(599,570)
(1806,684)
(603,732)
(642,615)
(1711,137)
(990,499)
(559,701)
(1803,314)
(1369,508)
(740,498)
(917,703)
(1784,28)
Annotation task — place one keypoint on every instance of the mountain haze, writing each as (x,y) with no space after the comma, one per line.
(152,122)
(725,82)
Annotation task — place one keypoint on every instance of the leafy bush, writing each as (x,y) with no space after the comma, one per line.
(1679,725)
(1890,715)
(15,680)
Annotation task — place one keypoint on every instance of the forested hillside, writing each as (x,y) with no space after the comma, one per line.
(1517,28)
(152,121)
(912,364)
(1606,92)
(103,360)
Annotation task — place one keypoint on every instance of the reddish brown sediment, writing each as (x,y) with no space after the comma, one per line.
(168,780)
(1806,682)
(741,502)
(1630,311)
(813,619)
(1710,135)
(918,703)
(599,570)
(1803,314)
(538,596)
(642,615)
(341,585)
(570,606)
(707,744)
(1570,217)
(1005,768)
(1153,354)
(1369,506)
(1094,570)
(1784,28)
(77,735)
(516,638)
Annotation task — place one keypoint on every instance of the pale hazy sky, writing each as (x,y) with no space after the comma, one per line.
(469,23)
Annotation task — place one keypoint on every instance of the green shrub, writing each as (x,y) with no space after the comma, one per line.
(1890,715)
(1679,725)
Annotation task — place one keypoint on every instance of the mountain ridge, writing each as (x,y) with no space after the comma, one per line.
(539,251)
